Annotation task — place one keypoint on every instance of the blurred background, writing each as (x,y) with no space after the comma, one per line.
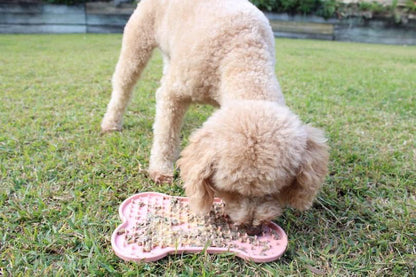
(382,21)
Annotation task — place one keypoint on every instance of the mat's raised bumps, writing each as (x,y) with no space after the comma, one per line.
(158,224)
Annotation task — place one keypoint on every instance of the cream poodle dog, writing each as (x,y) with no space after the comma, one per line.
(253,152)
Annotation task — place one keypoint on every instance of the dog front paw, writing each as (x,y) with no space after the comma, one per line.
(161,178)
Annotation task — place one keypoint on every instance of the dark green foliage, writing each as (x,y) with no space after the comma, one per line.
(325,8)
(298,6)
(268,5)
(372,6)
(411,5)
(330,8)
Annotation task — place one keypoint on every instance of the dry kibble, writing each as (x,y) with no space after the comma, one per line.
(176,225)
(121,232)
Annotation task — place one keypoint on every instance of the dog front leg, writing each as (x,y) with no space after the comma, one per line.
(166,135)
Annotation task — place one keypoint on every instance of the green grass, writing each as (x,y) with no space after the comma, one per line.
(61,182)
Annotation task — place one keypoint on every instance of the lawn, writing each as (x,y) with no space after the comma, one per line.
(61,182)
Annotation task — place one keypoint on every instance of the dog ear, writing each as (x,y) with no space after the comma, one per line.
(196,169)
(311,172)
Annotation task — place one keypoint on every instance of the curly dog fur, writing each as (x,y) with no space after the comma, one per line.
(253,152)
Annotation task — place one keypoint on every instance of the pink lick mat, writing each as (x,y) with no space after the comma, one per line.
(155,225)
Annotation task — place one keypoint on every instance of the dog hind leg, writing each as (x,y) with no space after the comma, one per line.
(137,47)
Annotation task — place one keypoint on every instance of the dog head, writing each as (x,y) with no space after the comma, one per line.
(246,153)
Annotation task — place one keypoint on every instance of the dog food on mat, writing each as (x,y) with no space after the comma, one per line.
(155,225)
